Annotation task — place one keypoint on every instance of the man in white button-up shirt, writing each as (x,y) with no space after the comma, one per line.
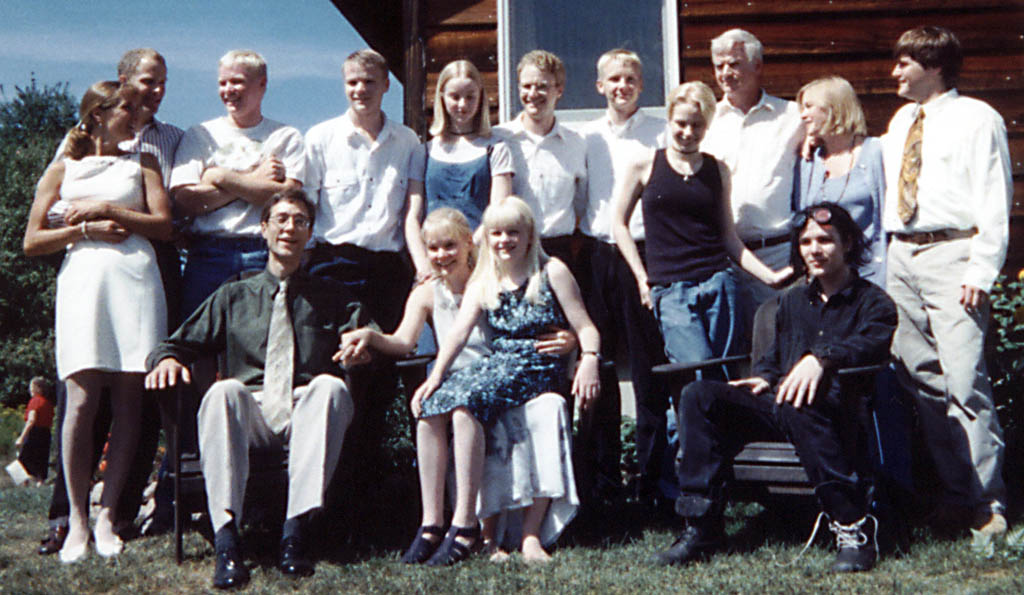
(613,141)
(949,240)
(361,169)
(757,136)
(549,159)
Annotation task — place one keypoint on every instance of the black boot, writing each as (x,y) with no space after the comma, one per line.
(857,544)
(698,541)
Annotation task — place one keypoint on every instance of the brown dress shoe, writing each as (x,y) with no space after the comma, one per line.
(54,541)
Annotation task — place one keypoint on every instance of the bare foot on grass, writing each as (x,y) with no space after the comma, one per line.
(533,552)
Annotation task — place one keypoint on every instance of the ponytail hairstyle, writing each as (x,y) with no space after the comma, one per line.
(100,96)
(450,223)
(509,212)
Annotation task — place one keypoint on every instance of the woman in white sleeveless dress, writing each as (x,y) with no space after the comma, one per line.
(110,301)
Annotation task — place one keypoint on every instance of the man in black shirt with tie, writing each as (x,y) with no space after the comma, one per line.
(279,332)
(836,320)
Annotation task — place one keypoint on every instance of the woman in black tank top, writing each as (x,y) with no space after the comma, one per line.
(691,236)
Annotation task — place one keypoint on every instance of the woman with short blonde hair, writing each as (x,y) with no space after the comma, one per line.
(843,164)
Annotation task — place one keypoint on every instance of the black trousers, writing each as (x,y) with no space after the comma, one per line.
(716,420)
(380,280)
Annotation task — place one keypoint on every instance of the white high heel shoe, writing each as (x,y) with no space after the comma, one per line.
(109,548)
(73,553)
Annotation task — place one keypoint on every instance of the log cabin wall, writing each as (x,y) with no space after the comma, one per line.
(803,39)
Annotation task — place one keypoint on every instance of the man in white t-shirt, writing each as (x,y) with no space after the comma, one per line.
(757,136)
(549,159)
(612,141)
(225,169)
(361,169)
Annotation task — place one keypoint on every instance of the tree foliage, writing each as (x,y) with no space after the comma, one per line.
(32,122)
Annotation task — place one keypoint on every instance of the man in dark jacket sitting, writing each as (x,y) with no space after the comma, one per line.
(836,320)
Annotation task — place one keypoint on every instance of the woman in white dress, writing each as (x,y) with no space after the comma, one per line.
(110,302)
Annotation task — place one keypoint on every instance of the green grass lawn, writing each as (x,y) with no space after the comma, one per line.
(611,561)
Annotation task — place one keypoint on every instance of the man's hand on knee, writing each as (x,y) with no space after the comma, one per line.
(801,384)
(166,373)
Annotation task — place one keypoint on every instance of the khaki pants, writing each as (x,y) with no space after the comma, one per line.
(941,347)
(230,423)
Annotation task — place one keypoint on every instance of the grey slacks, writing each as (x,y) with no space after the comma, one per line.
(230,422)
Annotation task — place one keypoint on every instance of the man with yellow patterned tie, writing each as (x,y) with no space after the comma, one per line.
(947,208)
(282,387)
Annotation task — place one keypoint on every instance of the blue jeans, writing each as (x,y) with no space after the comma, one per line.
(701,320)
(211,261)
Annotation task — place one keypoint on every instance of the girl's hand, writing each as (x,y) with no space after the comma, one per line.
(586,384)
(86,210)
(107,231)
(645,294)
(781,278)
(422,394)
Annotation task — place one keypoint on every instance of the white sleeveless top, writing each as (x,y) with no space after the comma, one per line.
(446,307)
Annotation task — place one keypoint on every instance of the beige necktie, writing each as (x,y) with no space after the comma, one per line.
(906,205)
(277,372)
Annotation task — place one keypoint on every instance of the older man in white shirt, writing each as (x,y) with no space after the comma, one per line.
(947,208)
(757,136)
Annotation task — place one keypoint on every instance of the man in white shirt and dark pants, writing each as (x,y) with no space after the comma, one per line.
(613,141)
(361,168)
(757,136)
(947,209)
(549,159)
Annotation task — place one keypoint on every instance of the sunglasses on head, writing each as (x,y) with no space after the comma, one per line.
(820,215)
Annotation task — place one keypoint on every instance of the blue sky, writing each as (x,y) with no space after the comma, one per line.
(80,42)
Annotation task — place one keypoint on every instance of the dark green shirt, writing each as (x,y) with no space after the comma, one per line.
(235,321)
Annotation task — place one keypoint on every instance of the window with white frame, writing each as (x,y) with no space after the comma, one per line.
(579,31)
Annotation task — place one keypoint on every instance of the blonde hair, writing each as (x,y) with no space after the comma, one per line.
(698,94)
(622,55)
(544,61)
(845,115)
(248,59)
(100,96)
(482,119)
(369,59)
(447,222)
(509,212)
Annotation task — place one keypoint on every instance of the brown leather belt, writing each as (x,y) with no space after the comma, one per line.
(931,237)
(765,242)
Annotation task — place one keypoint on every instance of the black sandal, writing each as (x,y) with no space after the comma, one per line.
(421,547)
(452,551)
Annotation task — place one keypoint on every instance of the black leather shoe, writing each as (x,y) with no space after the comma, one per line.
(857,543)
(54,541)
(293,558)
(694,543)
(230,571)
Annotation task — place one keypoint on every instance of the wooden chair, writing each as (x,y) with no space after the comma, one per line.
(768,468)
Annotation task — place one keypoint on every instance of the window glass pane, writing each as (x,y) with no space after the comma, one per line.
(579,32)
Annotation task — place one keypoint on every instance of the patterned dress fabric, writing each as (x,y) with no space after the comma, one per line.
(514,372)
